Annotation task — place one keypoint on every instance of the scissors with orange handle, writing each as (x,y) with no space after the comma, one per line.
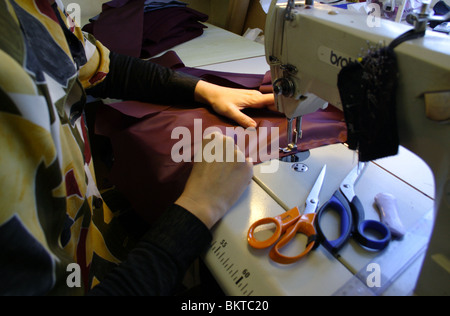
(289,224)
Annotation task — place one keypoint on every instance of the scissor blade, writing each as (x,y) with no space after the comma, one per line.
(348,184)
(312,201)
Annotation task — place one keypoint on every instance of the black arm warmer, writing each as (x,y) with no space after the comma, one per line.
(160,260)
(138,80)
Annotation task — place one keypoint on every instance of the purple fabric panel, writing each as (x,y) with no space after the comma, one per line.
(124,28)
(115,24)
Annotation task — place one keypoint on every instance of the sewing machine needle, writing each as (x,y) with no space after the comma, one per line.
(293,135)
(298,130)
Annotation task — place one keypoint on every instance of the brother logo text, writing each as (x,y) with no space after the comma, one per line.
(333,57)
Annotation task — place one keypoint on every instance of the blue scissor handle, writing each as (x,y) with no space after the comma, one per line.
(339,204)
(361,225)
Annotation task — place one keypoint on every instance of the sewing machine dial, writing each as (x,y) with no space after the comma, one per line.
(284,87)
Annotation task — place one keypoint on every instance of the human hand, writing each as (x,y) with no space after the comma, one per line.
(229,102)
(214,187)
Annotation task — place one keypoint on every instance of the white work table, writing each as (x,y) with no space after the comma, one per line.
(217,46)
(242,270)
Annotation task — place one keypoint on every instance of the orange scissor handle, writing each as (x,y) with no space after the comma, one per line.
(282,222)
(305,226)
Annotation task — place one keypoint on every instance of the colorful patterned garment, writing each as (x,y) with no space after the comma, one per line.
(51,210)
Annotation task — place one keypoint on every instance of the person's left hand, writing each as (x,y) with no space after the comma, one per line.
(214,187)
(229,102)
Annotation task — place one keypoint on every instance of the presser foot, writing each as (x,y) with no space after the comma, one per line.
(291,148)
(295,157)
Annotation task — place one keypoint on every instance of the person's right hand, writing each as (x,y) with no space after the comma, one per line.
(214,187)
(230,102)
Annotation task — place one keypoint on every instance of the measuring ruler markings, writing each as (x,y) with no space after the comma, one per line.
(240,277)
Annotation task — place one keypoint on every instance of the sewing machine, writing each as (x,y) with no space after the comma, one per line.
(307,46)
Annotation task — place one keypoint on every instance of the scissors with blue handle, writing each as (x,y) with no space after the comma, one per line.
(289,224)
(353,223)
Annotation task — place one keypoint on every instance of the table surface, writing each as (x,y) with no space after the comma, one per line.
(215,46)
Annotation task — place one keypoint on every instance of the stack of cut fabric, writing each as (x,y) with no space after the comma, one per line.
(145,28)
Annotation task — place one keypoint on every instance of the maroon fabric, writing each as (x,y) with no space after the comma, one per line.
(140,134)
(125,28)
(233,80)
(166,28)
(120,26)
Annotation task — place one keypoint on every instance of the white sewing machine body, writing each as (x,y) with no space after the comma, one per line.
(306,53)
(321,39)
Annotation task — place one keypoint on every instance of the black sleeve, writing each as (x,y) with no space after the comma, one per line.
(134,79)
(159,262)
